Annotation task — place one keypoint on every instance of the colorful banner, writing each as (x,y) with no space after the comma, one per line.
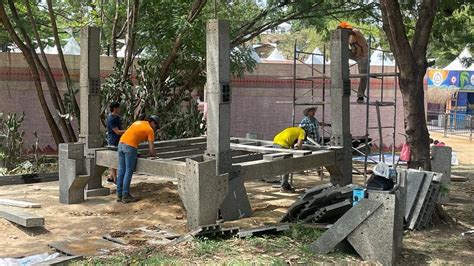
(450,79)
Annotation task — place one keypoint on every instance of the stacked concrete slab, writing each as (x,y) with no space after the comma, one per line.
(321,204)
(422,195)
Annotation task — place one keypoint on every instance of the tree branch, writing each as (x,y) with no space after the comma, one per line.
(423,30)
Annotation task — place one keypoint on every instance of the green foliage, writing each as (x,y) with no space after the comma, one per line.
(13,146)
(179,117)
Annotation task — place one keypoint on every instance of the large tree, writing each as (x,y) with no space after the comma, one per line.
(410,54)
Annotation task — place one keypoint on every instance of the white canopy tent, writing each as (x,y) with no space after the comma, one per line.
(457,63)
(316,58)
(276,56)
(378,58)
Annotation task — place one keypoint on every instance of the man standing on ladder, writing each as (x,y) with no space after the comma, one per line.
(359,52)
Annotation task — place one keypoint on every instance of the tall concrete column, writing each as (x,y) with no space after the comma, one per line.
(340,106)
(89,83)
(90,89)
(218,93)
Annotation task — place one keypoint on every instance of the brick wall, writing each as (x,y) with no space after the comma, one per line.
(254,98)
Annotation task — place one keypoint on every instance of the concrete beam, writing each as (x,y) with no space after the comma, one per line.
(261,168)
(174,142)
(261,149)
(22,218)
(170,168)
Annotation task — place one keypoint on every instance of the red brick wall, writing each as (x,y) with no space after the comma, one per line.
(254,98)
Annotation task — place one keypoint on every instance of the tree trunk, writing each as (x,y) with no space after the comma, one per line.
(64,68)
(58,138)
(411,60)
(46,69)
(130,37)
(415,122)
(114,36)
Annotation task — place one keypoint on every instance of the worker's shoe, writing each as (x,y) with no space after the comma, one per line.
(119,198)
(287,188)
(360,99)
(127,198)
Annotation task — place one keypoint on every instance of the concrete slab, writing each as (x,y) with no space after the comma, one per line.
(19,203)
(59,261)
(345,225)
(22,218)
(84,247)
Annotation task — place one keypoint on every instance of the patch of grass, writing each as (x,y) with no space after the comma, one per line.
(208,247)
(142,256)
(304,234)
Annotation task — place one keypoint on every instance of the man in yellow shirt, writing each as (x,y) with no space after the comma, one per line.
(138,132)
(286,139)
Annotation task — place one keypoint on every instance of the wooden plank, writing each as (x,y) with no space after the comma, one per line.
(62,261)
(266,149)
(19,203)
(22,218)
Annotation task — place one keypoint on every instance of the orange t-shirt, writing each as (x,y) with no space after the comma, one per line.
(138,132)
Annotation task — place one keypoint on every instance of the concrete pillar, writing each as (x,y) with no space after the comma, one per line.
(72,173)
(90,133)
(202,192)
(90,89)
(340,107)
(441,163)
(218,93)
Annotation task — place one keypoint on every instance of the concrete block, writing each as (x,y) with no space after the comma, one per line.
(202,191)
(376,238)
(72,174)
(236,204)
(94,186)
(441,163)
(22,218)
(345,225)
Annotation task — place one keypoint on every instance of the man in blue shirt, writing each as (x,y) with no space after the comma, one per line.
(114,131)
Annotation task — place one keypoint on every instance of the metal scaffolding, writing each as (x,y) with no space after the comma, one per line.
(377,102)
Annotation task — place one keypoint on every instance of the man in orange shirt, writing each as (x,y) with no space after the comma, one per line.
(359,52)
(138,132)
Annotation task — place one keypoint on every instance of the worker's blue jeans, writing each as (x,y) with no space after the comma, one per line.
(127,156)
(286,177)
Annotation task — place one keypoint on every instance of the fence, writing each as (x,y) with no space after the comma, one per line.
(452,123)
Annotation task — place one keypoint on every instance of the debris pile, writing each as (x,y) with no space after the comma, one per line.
(320,204)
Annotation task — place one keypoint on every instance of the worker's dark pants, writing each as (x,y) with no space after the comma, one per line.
(127,160)
(362,66)
(285,177)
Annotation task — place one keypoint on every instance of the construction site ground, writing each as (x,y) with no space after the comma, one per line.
(160,205)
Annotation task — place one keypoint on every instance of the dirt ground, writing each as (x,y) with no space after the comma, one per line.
(160,205)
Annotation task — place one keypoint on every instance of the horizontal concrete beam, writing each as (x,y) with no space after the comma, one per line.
(261,168)
(170,168)
(261,149)
(199,145)
(174,142)
(270,143)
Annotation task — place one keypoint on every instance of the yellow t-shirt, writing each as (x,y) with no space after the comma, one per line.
(287,137)
(138,132)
